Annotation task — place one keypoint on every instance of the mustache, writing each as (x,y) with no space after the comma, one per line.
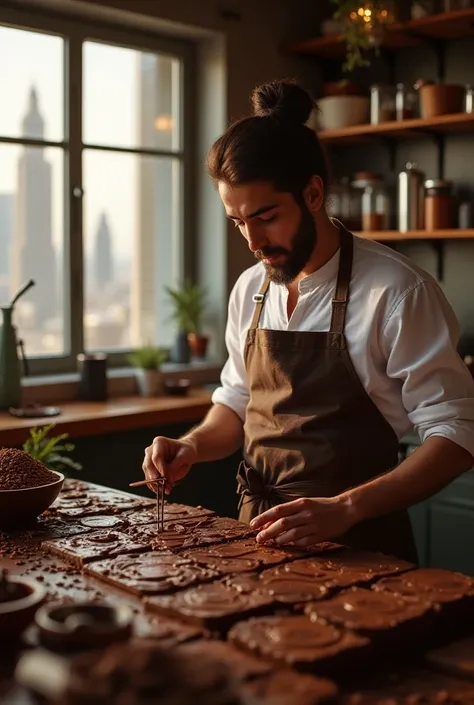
(270,252)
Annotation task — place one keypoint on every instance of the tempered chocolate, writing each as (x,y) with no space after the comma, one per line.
(298,641)
(456,658)
(208,531)
(93,546)
(284,686)
(213,605)
(148,533)
(410,686)
(241,556)
(152,573)
(172,512)
(165,633)
(384,617)
(96,502)
(243,665)
(367,564)
(282,586)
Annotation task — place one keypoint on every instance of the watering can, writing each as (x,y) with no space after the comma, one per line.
(10,369)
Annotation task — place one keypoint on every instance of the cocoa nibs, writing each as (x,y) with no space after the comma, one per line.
(19,470)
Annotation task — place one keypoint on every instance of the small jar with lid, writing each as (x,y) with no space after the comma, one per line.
(438,204)
(469,99)
(382,103)
(375,208)
(406,102)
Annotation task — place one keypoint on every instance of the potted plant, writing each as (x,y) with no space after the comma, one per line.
(188,308)
(147,362)
(51,451)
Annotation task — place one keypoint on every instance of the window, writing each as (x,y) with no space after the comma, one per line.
(93,185)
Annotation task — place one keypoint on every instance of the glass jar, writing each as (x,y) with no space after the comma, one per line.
(452,5)
(406,102)
(469,100)
(375,208)
(438,204)
(382,103)
(343,203)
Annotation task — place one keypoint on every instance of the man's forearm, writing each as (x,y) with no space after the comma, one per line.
(219,435)
(425,472)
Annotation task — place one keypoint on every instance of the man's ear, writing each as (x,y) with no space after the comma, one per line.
(313,195)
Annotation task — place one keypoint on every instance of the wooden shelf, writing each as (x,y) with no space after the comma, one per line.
(401,129)
(445,25)
(390,235)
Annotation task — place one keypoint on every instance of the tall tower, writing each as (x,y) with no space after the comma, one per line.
(33,255)
(103,257)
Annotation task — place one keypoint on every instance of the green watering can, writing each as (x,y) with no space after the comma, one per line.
(10,370)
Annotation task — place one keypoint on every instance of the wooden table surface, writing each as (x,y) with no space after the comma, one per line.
(79,418)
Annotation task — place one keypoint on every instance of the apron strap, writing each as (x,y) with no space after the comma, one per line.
(259,300)
(341,296)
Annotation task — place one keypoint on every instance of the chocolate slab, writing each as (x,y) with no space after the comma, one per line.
(297,641)
(148,533)
(388,620)
(451,593)
(208,531)
(165,633)
(97,502)
(409,686)
(172,512)
(282,587)
(151,573)
(214,606)
(285,686)
(92,546)
(243,665)
(456,659)
(241,556)
(369,565)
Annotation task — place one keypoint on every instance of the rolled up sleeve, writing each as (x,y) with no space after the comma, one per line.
(233,391)
(420,341)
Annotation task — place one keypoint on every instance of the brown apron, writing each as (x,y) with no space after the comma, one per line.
(311,429)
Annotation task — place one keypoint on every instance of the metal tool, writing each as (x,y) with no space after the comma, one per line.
(160,504)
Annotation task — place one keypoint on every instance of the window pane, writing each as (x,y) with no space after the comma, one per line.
(31,243)
(131,98)
(32,86)
(132,248)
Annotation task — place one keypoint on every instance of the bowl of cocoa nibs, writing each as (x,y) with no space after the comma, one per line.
(27,488)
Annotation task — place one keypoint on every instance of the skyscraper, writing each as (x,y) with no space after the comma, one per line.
(7,203)
(32,252)
(103,255)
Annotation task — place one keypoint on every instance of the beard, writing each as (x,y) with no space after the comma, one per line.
(302,247)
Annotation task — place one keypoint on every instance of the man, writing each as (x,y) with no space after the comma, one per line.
(337,346)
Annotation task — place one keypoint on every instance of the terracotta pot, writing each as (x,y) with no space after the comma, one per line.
(441,99)
(198,344)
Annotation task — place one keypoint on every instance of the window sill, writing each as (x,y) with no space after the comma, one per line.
(121,382)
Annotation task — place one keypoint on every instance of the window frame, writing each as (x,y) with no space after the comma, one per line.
(75,32)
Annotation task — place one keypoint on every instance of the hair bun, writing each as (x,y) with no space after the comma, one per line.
(283,100)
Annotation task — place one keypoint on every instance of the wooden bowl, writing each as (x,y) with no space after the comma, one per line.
(17,614)
(18,508)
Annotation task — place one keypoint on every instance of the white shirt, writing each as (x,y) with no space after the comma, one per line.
(401,333)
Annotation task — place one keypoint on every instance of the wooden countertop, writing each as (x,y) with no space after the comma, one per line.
(80,418)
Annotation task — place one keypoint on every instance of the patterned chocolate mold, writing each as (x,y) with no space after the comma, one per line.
(299,641)
(97,502)
(92,546)
(368,563)
(180,513)
(281,587)
(241,556)
(151,573)
(208,531)
(433,584)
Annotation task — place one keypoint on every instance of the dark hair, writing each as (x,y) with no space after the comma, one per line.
(274,144)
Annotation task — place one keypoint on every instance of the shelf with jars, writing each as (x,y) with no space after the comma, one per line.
(396,235)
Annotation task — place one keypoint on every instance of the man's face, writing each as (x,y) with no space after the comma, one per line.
(280,231)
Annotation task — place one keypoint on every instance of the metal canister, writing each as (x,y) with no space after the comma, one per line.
(410,198)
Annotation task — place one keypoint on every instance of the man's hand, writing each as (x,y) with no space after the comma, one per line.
(306,521)
(169,458)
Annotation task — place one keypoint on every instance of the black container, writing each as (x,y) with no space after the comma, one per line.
(92,376)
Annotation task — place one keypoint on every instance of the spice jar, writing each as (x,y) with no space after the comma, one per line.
(343,203)
(382,103)
(469,100)
(375,208)
(438,204)
(406,102)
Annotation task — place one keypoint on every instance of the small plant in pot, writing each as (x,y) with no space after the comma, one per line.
(188,309)
(147,362)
